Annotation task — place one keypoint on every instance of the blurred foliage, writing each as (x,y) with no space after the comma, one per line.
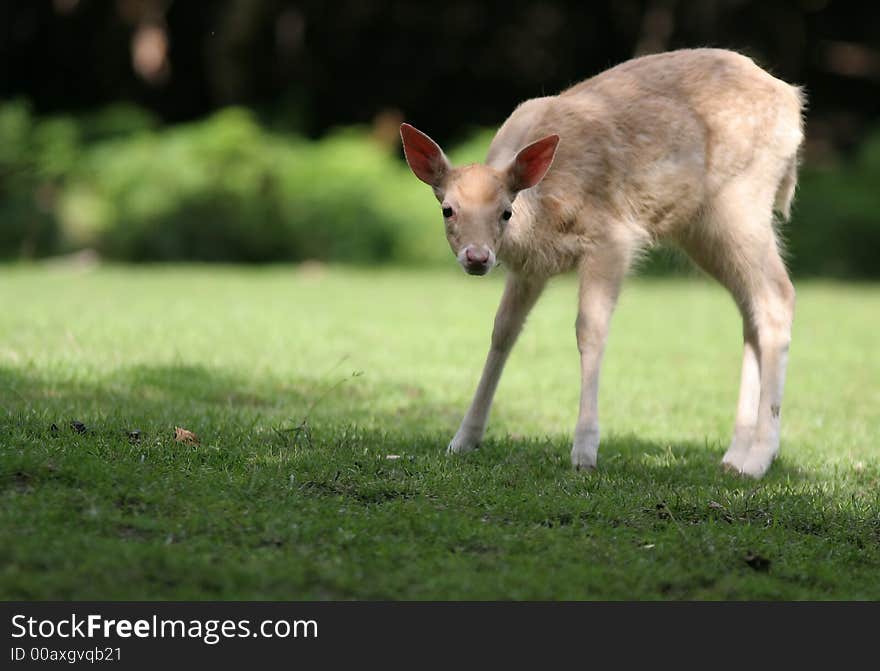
(228,189)
(835,228)
(222,189)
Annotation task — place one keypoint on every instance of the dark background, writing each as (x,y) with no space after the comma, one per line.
(305,68)
(448,65)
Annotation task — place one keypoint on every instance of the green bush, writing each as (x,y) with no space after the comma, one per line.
(33,156)
(835,227)
(226,189)
(203,191)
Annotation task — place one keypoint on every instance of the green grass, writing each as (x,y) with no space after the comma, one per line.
(375,363)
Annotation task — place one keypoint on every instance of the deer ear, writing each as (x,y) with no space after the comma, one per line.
(532,163)
(425,158)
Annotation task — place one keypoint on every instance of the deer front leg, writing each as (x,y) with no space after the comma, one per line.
(599,287)
(520,294)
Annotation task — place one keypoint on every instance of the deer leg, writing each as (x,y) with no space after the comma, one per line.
(520,295)
(600,280)
(737,245)
(773,313)
(749,397)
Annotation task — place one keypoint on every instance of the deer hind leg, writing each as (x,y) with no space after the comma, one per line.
(749,398)
(737,245)
(772,313)
(768,311)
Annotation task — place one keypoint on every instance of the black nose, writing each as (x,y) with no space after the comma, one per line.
(476,257)
(477,268)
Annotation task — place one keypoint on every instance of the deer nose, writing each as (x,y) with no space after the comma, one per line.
(476,256)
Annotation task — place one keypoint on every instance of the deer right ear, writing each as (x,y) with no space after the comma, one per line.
(532,163)
(425,158)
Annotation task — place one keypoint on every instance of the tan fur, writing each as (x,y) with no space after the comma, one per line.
(693,147)
(651,143)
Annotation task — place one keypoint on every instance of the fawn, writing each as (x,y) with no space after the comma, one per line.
(694,147)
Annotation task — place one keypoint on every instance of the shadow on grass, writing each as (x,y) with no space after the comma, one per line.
(205,398)
(180,393)
(134,389)
(213,401)
(511,494)
(632,461)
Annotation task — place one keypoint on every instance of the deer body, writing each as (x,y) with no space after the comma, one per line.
(693,147)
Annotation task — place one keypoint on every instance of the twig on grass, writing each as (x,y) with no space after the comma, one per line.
(303,430)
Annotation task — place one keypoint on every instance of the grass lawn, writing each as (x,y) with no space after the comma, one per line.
(302,382)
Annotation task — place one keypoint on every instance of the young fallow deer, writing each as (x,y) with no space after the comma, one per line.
(694,147)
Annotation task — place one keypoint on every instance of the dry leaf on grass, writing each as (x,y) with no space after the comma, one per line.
(185,436)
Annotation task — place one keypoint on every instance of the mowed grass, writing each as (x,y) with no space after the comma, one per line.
(324,399)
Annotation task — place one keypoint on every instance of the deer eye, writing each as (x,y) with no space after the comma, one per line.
(447,212)
(507,214)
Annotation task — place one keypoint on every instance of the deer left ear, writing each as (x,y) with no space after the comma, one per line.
(532,163)
(424,156)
